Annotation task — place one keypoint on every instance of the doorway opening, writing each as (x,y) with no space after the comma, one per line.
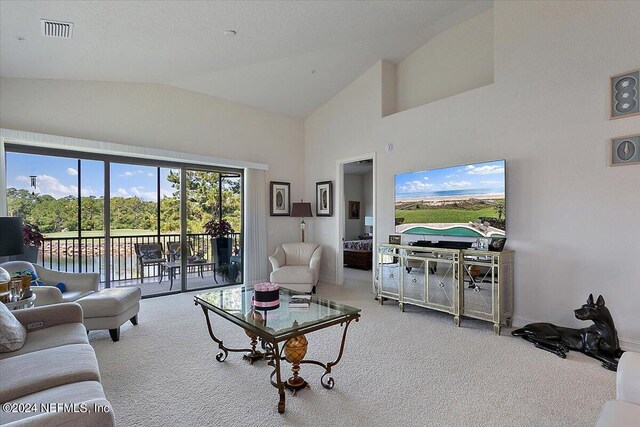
(356,216)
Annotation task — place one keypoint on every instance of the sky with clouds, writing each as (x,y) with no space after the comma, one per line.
(478,178)
(58,177)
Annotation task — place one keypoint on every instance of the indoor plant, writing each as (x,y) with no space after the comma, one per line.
(222,243)
(32,239)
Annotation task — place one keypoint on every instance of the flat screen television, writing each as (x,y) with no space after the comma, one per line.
(461,201)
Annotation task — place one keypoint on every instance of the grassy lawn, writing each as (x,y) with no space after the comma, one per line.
(444,215)
(99,233)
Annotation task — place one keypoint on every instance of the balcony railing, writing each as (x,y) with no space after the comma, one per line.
(87,254)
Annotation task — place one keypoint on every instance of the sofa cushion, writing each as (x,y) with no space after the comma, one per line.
(619,413)
(109,302)
(292,274)
(55,336)
(44,369)
(74,393)
(298,253)
(72,296)
(12,333)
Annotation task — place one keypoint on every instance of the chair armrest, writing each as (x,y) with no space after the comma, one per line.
(278,258)
(628,378)
(314,264)
(46,295)
(82,282)
(50,315)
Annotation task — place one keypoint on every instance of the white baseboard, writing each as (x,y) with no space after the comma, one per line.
(625,344)
(327,279)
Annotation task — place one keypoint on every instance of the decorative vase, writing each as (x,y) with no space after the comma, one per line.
(294,350)
(29,254)
(222,247)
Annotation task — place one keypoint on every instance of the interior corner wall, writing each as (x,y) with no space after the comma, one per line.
(164,117)
(455,61)
(572,220)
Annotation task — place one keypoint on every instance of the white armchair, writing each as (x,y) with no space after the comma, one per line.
(296,266)
(625,410)
(77,285)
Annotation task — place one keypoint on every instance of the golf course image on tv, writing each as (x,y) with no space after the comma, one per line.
(463,201)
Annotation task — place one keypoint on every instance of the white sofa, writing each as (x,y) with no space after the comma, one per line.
(625,409)
(102,309)
(56,364)
(296,266)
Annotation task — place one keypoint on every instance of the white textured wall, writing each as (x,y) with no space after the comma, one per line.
(572,219)
(159,116)
(453,62)
(367,189)
(353,191)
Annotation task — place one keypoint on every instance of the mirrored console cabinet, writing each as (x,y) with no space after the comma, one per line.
(471,283)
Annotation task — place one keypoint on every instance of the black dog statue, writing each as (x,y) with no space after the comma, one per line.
(599,340)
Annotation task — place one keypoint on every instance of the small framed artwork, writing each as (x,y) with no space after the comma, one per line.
(395,239)
(354,210)
(625,150)
(324,198)
(280,205)
(625,98)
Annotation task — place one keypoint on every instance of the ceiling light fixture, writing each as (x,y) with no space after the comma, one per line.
(230,33)
(20,38)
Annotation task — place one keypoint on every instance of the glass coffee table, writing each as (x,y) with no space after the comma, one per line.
(281,332)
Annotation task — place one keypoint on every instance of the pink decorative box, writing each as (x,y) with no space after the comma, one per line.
(266,296)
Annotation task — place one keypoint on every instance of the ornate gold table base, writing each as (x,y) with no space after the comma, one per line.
(295,349)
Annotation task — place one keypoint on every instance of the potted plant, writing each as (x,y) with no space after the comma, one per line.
(32,239)
(222,243)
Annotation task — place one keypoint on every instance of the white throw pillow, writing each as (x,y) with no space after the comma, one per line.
(12,333)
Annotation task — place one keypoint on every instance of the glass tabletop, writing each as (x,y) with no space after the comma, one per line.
(234,303)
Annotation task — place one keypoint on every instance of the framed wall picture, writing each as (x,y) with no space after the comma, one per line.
(625,150)
(280,203)
(324,198)
(354,210)
(625,97)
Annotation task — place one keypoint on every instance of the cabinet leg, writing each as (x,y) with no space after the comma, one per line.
(456,320)
(496,328)
(401,307)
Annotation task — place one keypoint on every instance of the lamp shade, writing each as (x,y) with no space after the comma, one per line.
(368,220)
(301,210)
(10,236)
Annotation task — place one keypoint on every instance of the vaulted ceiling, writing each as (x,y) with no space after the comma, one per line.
(288,57)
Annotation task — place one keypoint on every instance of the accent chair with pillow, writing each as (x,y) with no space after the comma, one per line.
(296,266)
(60,287)
(102,309)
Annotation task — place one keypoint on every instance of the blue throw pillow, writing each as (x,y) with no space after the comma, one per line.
(62,287)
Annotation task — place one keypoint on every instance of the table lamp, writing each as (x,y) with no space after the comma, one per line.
(368,221)
(301,210)
(10,241)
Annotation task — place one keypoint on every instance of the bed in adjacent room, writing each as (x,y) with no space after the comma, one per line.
(358,253)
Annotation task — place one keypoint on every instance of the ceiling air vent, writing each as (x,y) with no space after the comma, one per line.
(59,29)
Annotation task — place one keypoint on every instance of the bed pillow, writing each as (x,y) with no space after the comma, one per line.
(12,333)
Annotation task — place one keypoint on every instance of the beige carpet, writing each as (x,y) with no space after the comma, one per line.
(412,368)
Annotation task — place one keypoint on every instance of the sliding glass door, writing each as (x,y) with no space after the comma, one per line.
(213,228)
(129,220)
